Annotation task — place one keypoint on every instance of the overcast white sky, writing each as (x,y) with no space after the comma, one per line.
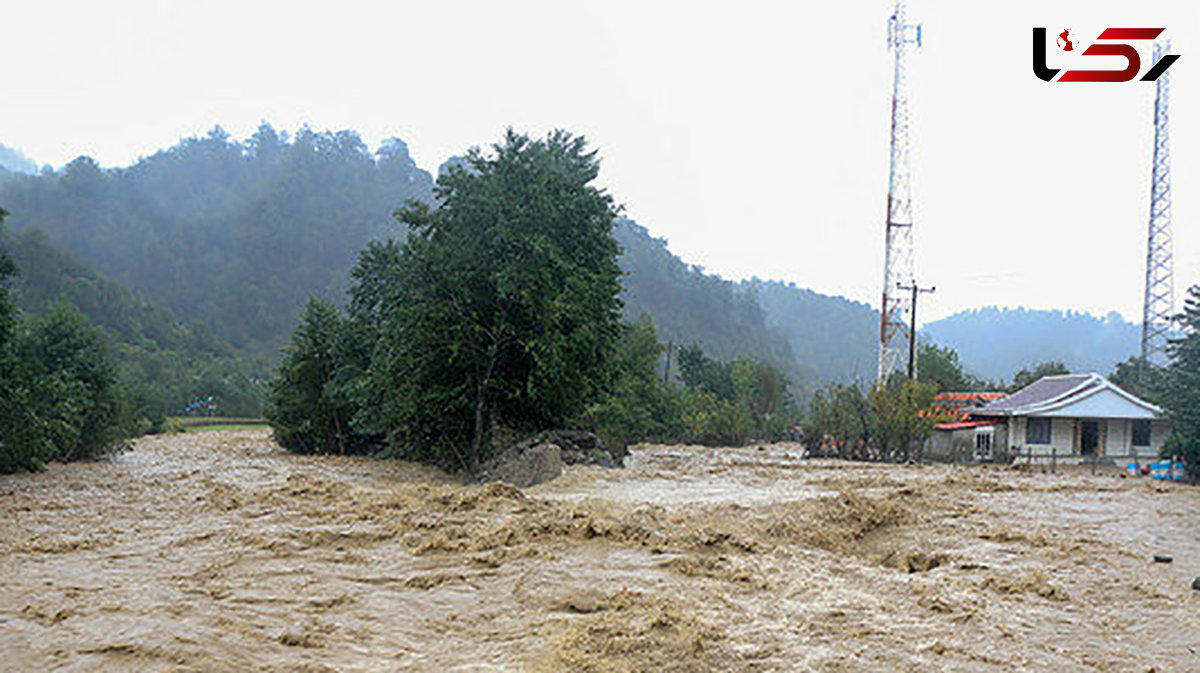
(752,135)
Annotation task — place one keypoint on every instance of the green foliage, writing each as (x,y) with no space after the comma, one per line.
(641,406)
(160,361)
(885,423)
(506,312)
(309,406)
(702,373)
(840,423)
(1027,376)
(59,397)
(1180,387)
(90,412)
(941,367)
(734,402)
(233,235)
(1140,378)
(900,427)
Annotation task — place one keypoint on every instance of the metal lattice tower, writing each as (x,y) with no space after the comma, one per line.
(898,260)
(1159,306)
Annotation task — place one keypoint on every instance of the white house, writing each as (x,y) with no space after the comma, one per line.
(1075,415)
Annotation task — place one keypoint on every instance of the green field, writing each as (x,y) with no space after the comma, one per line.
(201,423)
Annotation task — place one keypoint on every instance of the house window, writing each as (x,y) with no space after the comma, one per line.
(1141,433)
(1037,431)
(983,442)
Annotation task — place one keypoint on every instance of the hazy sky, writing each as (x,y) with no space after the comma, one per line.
(752,135)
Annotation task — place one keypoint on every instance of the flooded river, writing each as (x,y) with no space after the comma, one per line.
(217,551)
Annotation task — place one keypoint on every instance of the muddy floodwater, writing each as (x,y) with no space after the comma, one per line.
(217,551)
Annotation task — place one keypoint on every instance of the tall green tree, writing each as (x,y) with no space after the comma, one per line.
(641,406)
(308,409)
(73,384)
(1042,369)
(507,312)
(941,367)
(1180,386)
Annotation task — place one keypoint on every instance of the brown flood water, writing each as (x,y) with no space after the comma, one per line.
(217,551)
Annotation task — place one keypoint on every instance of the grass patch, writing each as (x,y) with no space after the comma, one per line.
(199,423)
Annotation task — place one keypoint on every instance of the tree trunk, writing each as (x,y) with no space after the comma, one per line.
(480,405)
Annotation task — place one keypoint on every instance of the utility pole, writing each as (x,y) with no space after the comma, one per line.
(898,258)
(1159,302)
(912,328)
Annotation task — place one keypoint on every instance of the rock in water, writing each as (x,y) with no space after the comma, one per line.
(524,466)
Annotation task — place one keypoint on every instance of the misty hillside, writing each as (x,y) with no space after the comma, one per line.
(833,336)
(689,306)
(162,361)
(994,343)
(235,235)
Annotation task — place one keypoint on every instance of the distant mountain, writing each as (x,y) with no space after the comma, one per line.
(835,338)
(689,306)
(995,343)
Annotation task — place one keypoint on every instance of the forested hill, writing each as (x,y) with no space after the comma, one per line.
(833,336)
(238,234)
(689,306)
(994,343)
(163,362)
(233,234)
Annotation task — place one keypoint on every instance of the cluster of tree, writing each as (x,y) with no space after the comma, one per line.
(59,395)
(734,401)
(886,422)
(160,361)
(500,316)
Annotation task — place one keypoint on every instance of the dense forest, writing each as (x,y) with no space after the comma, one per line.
(162,362)
(235,235)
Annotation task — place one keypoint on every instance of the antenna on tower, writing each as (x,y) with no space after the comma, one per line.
(898,260)
(1159,307)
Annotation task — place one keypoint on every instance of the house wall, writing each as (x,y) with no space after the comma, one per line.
(950,446)
(1116,443)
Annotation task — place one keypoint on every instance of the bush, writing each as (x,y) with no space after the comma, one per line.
(59,398)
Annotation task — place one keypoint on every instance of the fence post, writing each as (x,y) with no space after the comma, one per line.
(1053,460)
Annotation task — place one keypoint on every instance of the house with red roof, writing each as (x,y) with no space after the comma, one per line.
(1072,416)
